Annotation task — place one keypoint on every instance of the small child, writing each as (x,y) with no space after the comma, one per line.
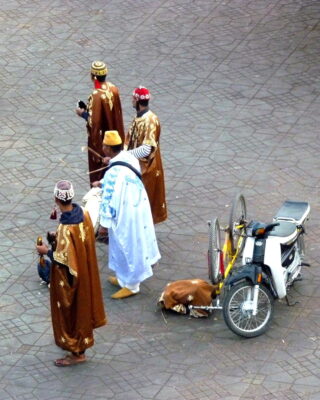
(44,271)
(44,265)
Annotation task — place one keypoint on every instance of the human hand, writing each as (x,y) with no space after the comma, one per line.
(51,237)
(42,249)
(80,111)
(106,160)
(102,230)
(96,184)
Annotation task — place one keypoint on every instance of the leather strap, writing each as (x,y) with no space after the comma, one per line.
(124,164)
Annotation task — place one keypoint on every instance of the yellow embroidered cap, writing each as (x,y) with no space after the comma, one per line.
(99,68)
(111,138)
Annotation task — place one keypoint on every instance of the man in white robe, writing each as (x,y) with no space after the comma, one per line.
(125,211)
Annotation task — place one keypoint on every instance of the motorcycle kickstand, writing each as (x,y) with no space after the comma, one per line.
(291,304)
(304,264)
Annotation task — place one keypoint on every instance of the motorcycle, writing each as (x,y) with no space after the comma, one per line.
(272,259)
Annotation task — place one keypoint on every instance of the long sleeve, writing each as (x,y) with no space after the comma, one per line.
(94,121)
(141,151)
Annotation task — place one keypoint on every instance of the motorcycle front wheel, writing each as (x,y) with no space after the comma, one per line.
(237,313)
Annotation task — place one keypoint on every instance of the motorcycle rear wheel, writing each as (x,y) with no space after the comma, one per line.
(241,321)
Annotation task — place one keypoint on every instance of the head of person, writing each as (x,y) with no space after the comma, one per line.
(112,144)
(99,71)
(140,98)
(63,193)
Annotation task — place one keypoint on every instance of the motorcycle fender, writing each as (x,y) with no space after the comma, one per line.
(246,272)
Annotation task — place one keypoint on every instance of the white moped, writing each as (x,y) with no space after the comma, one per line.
(271,262)
(272,258)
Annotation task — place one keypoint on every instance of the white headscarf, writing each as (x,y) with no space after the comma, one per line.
(63,190)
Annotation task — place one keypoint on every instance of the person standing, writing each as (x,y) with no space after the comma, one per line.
(125,212)
(75,290)
(142,140)
(103,112)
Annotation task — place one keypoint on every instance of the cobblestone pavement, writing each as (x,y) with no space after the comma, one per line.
(236,86)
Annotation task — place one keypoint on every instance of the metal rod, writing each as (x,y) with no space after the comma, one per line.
(92,151)
(72,169)
(97,170)
(208,308)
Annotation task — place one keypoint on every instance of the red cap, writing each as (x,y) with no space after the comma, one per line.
(141,93)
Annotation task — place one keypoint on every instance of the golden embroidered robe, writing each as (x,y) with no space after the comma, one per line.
(146,130)
(75,290)
(105,113)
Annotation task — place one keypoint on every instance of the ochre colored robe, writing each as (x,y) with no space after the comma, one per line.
(179,295)
(105,114)
(75,290)
(146,130)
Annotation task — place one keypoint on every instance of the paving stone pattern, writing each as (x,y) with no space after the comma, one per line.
(236,86)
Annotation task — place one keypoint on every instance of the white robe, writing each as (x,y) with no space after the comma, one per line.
(125,211)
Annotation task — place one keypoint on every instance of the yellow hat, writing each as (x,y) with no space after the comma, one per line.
(111,138)
(99,68)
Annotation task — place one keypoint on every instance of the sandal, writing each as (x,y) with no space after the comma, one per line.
(68,360)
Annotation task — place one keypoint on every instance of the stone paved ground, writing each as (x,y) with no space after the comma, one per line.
(236,86)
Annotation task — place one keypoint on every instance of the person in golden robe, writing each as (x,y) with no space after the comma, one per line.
(103,112)
(75,290)
(142,140)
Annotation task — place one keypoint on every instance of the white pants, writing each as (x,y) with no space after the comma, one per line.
(134,288)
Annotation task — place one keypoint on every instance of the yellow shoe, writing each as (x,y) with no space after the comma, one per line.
(113,280)
(123,293)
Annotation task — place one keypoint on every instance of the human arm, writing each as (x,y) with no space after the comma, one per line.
(82,113)
(142,136)
(117,112)
(81,110)
(142,151)
(97,184)
(42,249)
(109,201)
(106,160)
(94,110)
(102,230)
(150,130)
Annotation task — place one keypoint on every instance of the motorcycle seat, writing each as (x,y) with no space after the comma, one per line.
(296,211)
(284,229)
